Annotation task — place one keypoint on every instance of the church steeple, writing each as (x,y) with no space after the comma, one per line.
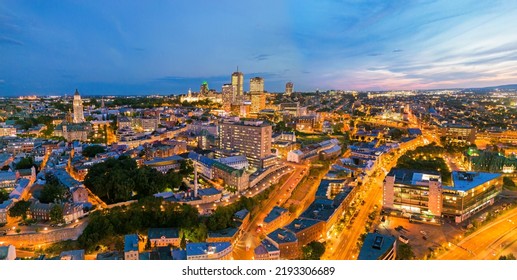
(76,92)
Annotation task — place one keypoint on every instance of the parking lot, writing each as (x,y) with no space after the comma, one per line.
(422,237)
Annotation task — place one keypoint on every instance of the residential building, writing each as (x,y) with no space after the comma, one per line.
(266,251)
(4,210)
(162,237)
(286,241)
(74,255)
(276,218)
(209,251)
(307,230)
(224,235)
(131,248)
(378,246)
(251,138)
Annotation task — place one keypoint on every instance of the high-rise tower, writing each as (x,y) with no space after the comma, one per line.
(289,88)
(78,108)
(238,83)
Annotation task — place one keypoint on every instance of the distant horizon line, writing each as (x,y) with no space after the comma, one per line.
(509,86)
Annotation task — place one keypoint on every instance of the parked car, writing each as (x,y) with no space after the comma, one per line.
(404,239)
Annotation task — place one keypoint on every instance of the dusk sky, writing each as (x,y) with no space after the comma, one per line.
(166,47)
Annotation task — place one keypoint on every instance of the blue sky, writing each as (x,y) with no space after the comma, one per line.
(144,47)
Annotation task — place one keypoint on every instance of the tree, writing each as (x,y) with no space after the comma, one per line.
(313,250)
(52,193)
(509,183)
(183,242)
(507,257)
(93,150)
(186,167)
(20,209)
(405,252)
(56,214)
(25,163)
(4,195)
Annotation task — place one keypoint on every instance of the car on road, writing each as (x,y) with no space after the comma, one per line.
(404,239)
(423,232)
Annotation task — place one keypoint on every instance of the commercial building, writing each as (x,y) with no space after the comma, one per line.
(411,191)
(470,193)
(459,133)
(227,96)
(238,83)
(378,246)
(414,192)
(250,138)
(258,102)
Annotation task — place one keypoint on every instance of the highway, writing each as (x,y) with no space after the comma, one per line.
(250,238)
(487,242)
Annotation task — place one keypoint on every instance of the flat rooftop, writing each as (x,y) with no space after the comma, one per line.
(274,214)
(375,245)
(411,177)
(465,181)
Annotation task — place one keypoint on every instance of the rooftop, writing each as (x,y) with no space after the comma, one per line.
(375,245)
(227,232)
(274,214)
(465,181)
(203,248)
(241,214)
(208,191)
(73,255)
(300,224)
(411,177)
(265,247)
(130,242)
(157,233)
(282,235)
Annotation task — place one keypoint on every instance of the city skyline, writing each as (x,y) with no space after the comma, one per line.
(101,48)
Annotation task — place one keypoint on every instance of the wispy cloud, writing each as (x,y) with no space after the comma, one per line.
(10,41)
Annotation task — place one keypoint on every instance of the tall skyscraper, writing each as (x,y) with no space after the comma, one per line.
(251,138)
(228,98)
(258,98)
(238,83)
(78,108)
(289,88)
(256,85)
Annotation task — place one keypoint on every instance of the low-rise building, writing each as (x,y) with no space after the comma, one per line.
(131,248)
(74,255)
(307,230)
(224,235)
(276,218)
(165,164)
(378,246)
(286,241)
(266,251)
(4,210)
(7,252)
(209,251)
(161,237)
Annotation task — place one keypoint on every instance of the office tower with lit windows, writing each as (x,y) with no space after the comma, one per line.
(258,98)
(251,138)
(227,93)
(238,83)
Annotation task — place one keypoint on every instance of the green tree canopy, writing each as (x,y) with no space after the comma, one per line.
(56,214)
(313,250)
(19,209)
(93,150)
(53,191)
(405,252)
